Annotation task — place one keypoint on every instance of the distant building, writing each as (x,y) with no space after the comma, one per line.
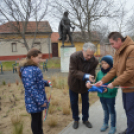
(78,42)
(106,49)
(54,43)
(12,44)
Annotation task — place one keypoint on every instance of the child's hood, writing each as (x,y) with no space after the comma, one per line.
(26,62)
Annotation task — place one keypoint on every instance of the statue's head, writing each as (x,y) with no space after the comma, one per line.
(66,13)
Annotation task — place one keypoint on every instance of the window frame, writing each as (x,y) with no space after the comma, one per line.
(14,47)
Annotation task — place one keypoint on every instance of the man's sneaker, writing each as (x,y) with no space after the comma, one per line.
(88,124)
(112,130)
(104,127)
(76,124)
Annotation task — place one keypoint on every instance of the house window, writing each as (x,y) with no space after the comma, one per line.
(14,47)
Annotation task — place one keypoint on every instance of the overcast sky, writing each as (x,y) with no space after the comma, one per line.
(129,6)
(114,24)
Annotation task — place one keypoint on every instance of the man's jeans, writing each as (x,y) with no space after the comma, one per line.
(108,105)
(74,105)
(128,102)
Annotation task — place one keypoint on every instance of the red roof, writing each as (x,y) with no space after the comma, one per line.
(54,37)
(14,27)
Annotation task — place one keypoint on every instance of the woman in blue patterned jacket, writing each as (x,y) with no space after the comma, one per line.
(35,97)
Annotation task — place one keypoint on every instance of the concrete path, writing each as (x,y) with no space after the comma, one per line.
(96,118)
(9,76)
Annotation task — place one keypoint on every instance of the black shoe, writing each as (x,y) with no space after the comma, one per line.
(88,124)
(124,132)
(76,124)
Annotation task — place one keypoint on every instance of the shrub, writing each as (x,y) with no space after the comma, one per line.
(59,108)
(65,92)
(17,125)
(55,102)
(9,84)
(3,82)
(17,82)
(53,81)
(52,121)
(66,109)
(51,109)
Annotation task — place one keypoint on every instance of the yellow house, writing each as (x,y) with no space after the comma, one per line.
(79,41)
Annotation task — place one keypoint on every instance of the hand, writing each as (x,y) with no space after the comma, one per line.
(98,84)
(91,78)
(105,90)
(110,85)
(49,82)
(44,105)
(88,85)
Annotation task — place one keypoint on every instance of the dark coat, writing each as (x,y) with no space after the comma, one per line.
(77,69)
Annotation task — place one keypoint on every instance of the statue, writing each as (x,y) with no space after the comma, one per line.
(64,29)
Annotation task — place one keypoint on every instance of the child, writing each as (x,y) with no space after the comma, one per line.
(107,97)
(35,97)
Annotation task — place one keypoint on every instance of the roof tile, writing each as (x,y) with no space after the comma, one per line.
(14,27)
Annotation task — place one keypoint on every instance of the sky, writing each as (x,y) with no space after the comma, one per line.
(122,23)
(113,24)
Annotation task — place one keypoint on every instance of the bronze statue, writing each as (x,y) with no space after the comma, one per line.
(64,29)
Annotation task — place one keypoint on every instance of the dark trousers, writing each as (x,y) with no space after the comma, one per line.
(128,102)
(108,105)
(36,123)
(74,105)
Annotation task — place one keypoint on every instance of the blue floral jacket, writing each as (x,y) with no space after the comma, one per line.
(34,85)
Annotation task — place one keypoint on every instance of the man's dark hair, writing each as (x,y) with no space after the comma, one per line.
(115,36)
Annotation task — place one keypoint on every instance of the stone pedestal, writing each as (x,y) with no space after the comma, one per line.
(65,53)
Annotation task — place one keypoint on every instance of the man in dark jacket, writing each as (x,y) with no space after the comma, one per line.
(82,68)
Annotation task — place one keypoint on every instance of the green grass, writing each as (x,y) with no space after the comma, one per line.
(52,64)
(3,82)
(8,65)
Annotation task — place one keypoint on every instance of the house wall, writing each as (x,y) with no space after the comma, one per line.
(107,50)
(79,46)
(6,46)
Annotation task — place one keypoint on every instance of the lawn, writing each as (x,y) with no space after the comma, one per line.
(7,65)
(52,64)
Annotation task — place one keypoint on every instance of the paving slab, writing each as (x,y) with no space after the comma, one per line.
(96,118)
(10,77)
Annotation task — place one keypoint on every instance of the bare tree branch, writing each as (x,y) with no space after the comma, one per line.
(20,12)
